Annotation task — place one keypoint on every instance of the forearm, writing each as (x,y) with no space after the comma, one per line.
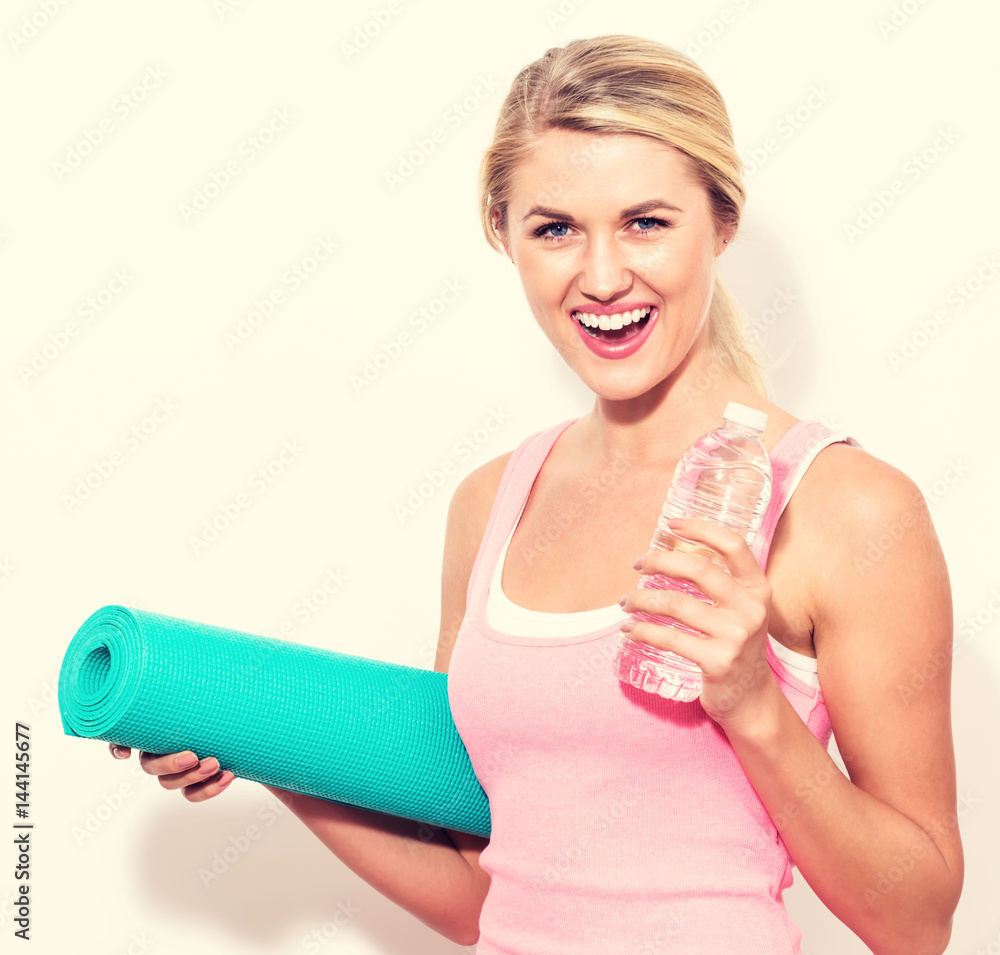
(414,865)
(875,868)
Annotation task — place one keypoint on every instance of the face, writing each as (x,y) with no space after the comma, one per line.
(613,231)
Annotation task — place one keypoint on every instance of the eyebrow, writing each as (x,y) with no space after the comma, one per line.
(630,213)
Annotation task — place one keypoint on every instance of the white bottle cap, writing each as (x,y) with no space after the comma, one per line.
(748,417)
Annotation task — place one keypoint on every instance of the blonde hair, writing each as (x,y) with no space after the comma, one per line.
(627,84)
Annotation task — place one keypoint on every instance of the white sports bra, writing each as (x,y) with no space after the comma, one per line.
(507,617)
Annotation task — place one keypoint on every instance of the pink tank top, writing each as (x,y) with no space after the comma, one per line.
(622,823)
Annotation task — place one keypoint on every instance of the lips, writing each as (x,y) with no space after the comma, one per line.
(613,331)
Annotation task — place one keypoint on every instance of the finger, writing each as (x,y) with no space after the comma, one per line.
(159,765)
(702,572)
(683,608)
(119,752)
(205,769)
(730,545)
(207,788)
(695,649)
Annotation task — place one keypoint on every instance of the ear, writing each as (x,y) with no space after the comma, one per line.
(722,241)
(501,235)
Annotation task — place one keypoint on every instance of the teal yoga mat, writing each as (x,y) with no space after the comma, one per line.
(345,728)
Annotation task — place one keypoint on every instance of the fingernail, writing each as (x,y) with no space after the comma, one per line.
(120,752)
(186,762)
(622,599)
(209,766)
(626,625)
(223,782)
(675,522)
(637,563)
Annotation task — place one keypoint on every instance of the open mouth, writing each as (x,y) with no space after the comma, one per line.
(616,328)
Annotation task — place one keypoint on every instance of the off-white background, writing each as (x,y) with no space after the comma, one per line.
(130,882)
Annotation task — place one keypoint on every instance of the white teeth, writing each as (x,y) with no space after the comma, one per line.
(618,320)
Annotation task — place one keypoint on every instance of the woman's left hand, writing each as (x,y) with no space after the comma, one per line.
(738,683)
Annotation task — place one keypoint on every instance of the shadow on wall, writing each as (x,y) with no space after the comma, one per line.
(762,274)
(267,882)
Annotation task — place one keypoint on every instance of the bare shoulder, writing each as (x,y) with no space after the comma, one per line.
(847,497)
(851,512)
(468,514)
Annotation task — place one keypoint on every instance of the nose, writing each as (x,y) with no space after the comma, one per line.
(604,269)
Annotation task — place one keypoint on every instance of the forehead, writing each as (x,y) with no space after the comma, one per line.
(568,167)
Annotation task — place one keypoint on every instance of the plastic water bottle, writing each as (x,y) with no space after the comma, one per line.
(725,477)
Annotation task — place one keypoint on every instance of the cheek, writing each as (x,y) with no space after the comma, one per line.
(680,269)
(540,276)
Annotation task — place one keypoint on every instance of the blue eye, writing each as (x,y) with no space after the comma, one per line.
(652,223)
(543,231)
(553,231)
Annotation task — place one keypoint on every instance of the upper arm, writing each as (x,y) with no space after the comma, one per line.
(882,616)
(468,514)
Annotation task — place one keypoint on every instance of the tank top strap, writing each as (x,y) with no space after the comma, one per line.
(522,468)
(791,456)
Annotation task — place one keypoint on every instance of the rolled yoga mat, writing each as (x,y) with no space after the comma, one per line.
(344,728)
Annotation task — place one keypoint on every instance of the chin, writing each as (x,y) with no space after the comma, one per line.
(620,386)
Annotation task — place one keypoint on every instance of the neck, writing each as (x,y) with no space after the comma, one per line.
(660,424)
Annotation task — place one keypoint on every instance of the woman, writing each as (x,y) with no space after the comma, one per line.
(623,822)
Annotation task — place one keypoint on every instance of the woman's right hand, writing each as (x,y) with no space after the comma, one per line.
(197,780)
